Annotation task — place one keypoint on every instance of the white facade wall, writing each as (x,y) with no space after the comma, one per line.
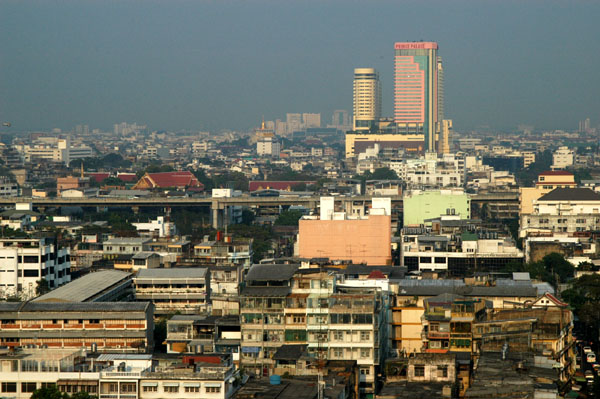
(24,262)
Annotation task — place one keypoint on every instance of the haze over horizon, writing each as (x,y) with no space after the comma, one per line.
(212,65)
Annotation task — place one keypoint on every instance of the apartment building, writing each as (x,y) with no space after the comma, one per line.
(563,210)
(141,260)
(408,304)
(224,289)
(26,261)
(184,290)
(8,188)
(289,305)
(457,248)
(422,206)
(204,334)
(546,182)
(224,251)
(156,228)
(341,236)
(207,376)
(448,323)
(107,326)
(117,375)
(562,158)
(544,326)
(125,246)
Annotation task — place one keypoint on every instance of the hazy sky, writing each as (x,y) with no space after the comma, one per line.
(223,64)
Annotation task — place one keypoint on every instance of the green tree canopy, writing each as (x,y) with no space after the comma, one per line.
(379,174)
(288,218)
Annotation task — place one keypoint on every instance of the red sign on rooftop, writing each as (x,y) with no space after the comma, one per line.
(415,45)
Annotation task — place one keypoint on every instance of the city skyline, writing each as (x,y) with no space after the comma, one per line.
(179,67)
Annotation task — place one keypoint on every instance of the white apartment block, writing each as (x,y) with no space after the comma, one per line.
(268,146)
(8,188)
(156,228)
(25,261)
(563,210)
(54,149)
(562,158)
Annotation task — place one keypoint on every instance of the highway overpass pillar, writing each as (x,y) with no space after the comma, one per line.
(217,215)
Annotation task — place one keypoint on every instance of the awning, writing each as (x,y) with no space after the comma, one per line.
(149,384)
(170,384)
(212,385)
(191,384)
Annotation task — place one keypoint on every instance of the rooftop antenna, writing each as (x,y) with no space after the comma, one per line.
(82,168)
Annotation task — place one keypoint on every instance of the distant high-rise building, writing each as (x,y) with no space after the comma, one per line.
(418,90)
(340,118)
(311,120)
(584,125)
(367,98)
(444,141)
(294,122)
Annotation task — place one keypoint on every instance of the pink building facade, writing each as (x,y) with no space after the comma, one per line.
(358,240)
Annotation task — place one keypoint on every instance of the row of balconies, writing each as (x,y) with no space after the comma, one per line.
(73,326)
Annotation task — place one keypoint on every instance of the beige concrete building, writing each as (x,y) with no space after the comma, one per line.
(546,182)
(357,142)
(367,98)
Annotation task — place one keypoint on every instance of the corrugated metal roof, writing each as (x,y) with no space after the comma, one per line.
(84,288)
(271,272)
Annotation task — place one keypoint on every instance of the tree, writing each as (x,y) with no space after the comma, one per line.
(288,218)
(558,266)
(584,296)
(48,393)
(160,334)
(378,174)
(53,393)
(112,181)
(42,287)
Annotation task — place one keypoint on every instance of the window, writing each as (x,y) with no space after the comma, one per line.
(365,352)
(128,387)
(28,386)
(150,388)
(342,318)
(338,353)
(365,336)
(362,319)
(30,259)
(9,387)
(31,273)
(365,371)
(213,389)
(419,371)
(192,389)
(338,335)
(442,371)
(171,389)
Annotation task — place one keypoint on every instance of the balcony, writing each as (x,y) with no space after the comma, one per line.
(121,374)
(438,335)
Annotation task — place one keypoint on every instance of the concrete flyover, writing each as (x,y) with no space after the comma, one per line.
(218,205)
(244,200)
